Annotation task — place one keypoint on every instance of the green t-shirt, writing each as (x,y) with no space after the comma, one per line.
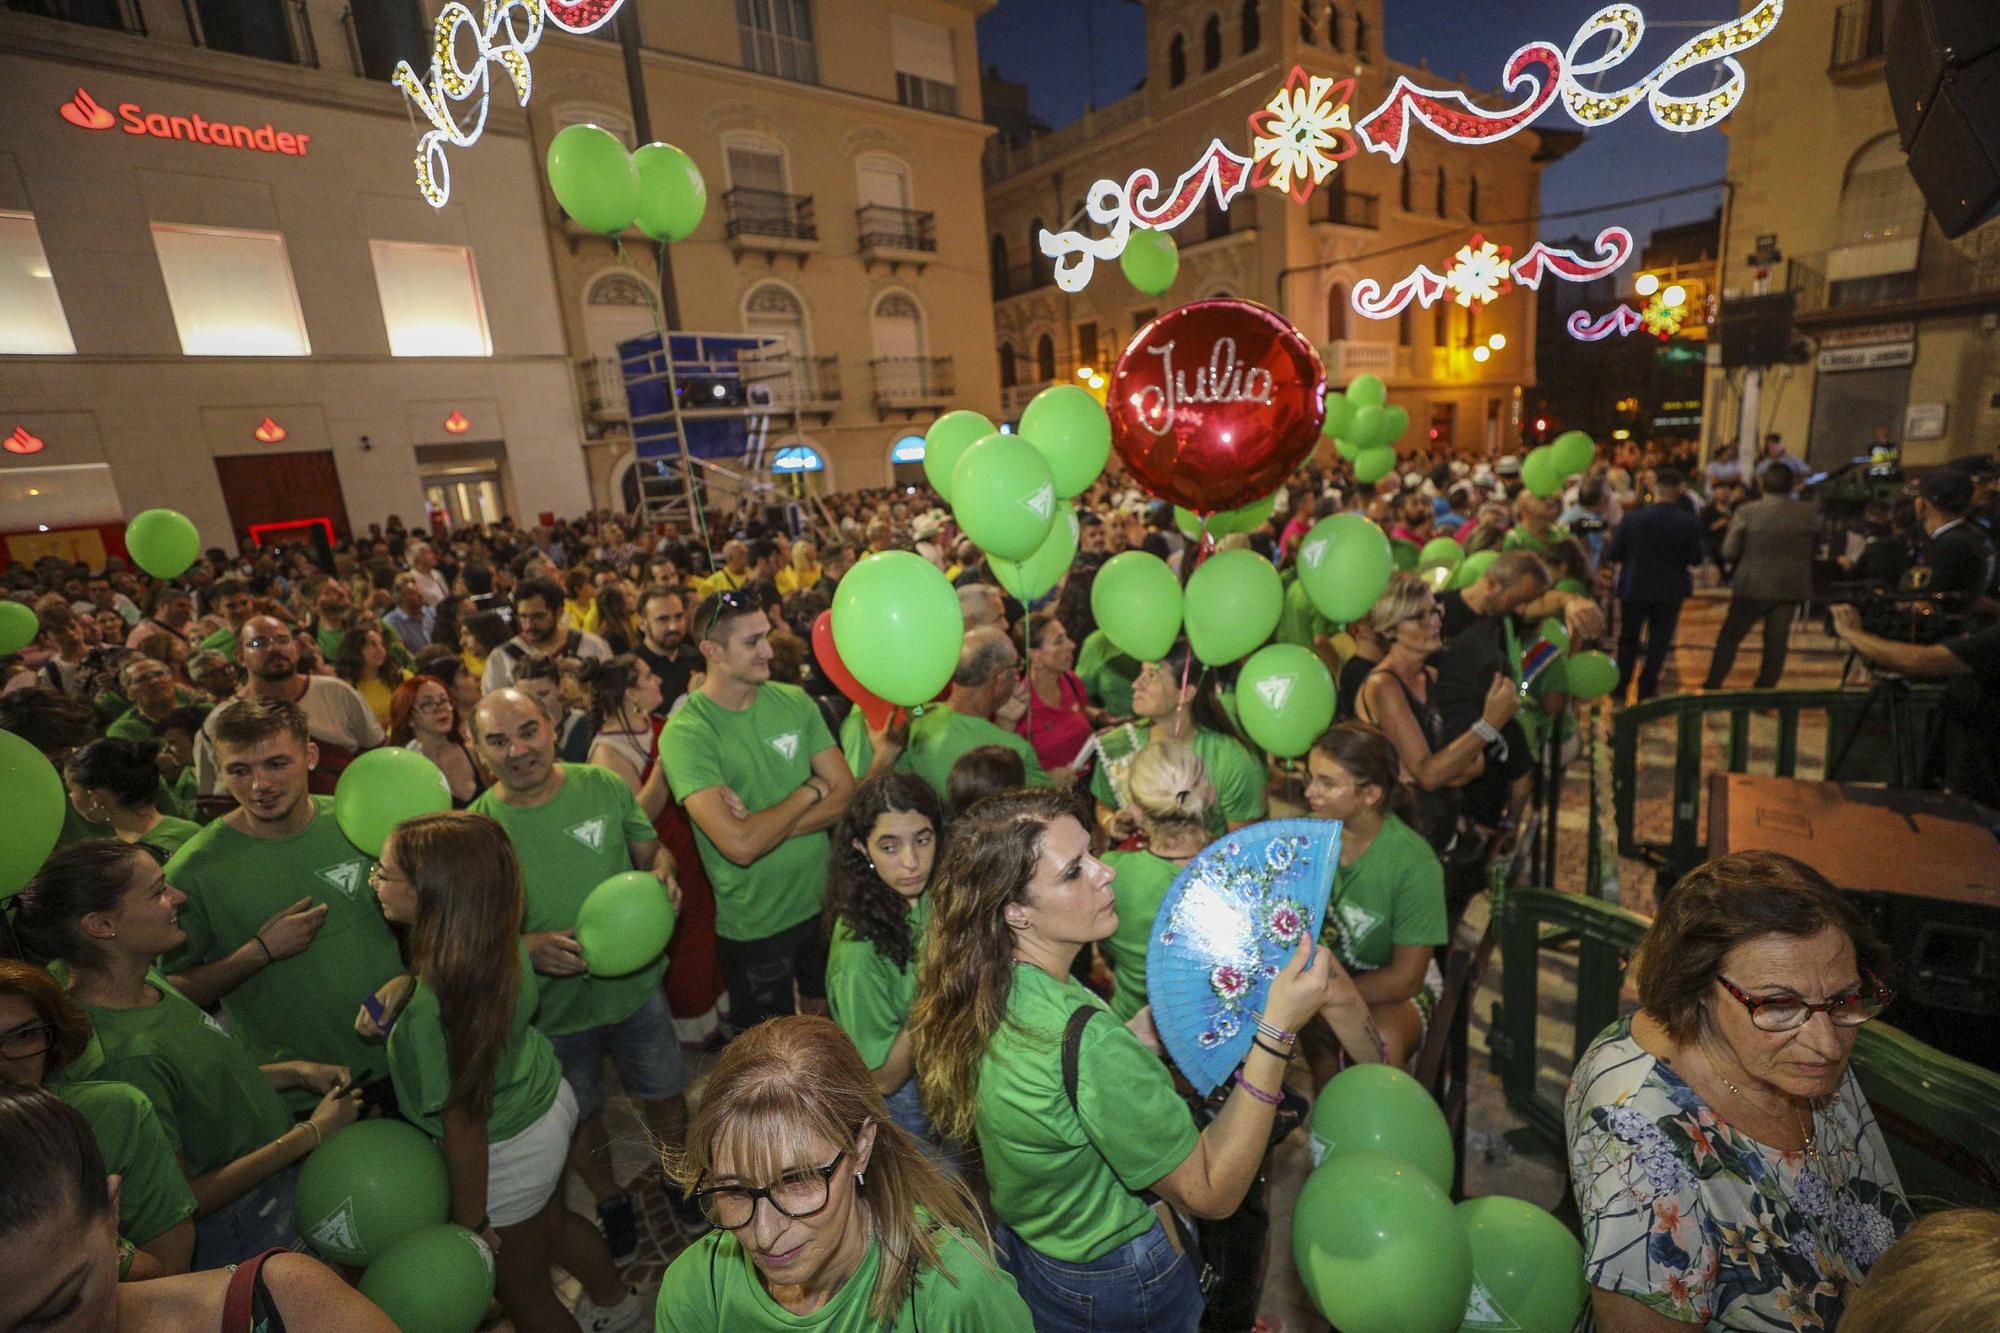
(1107,673)
(76,828)
(1141,884)
(1392,894)
(869,995)
(1068,1183)
(133,725)
(526,1076)
(763,753)
(715,1285)
(170,834)
(223,641)
(213,1102)
(153,1195)
(1238,777)
(1520,539)
(939,738)
(568,845)
(302,1007)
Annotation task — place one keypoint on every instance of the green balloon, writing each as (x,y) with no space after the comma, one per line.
(1366,428)
(1150,260)
(949,436)
(163,542)
(1473,569)
(383,788)
(1574,452)
(1527,1270)
(1404,553)
(1395,420)
(1379,1248)
(1368,391)
(1345,564)
(1006,496)
(1137,602)
(1555,632)
(1233,599)
(1284,698)
(1540,474)
(1371,465)
(1441,551)
(1590,675)
(1073,431)
(1379,1108)
(36,807)
(898,627)
(18,625)
(1348,447)
(1247,519)
(594,178)
(1039,573)
(672,193)
(369,1186)
(1339,414)
(437,1279)
(624,923)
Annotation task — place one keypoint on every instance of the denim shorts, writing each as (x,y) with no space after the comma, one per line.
(1142,1286)
(644,1047)
(252,1224)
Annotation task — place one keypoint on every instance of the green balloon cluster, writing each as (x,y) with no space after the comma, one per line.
(1137,602)
(1006,496)
(163,542)
(367,1187)
(1150,261)
(1344,563)
(1233,601)
(1222,523)
(948,438)
(1039,573)
(1540,474)
(1379,1248)
(1527,1269)
(436,1279)
(1574,452)
(594,178)
(672,193)
(898,627)
(1284,698)
(36,805)
(1441,553)
(383,788)
(1590,676)
(1379,1108)
(624,924)
(1364,427)
(1472,568)
(18,626)
(1073,431)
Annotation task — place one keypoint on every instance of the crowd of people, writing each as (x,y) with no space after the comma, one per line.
(910,950)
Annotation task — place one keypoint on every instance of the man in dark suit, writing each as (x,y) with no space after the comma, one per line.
(1771,539)
(1653,549)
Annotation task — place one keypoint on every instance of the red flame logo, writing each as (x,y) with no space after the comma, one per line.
(20,442)
(84,112)
(456,422)
(270,432)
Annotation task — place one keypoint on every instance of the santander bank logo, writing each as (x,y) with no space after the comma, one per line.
(86,112)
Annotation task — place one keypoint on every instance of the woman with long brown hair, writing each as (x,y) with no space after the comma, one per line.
(1018,895)
(423,716)
(363,660)
(471,1070)
(824,1209)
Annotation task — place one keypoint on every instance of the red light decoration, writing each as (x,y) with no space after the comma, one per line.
(20,442)
(270,432)
(456,423)
(291,529)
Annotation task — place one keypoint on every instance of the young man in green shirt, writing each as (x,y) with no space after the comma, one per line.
(281,927)
(986,682)
(229,598)
(752,762)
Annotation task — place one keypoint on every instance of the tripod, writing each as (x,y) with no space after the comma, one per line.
(1891,694)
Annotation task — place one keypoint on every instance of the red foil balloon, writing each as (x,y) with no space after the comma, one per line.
(873,706)
(1213,404)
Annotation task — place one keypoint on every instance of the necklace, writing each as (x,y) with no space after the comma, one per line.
(1805,1128)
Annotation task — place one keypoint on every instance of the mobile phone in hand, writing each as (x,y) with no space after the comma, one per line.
(378,1011)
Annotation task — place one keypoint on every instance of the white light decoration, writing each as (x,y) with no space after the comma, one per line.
(1302,134)
(1480,272)
(1482,354)
(1683,115)
(1498,342)
(1623,321)
(1675,295)
(1646,284)
(1137,203)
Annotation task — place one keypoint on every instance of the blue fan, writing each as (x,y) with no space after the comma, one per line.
(1226,927)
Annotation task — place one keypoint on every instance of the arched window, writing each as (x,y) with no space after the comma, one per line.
(1177,61)
(1252,26)
(617,306)
(1336,312)
(1443,193)
(1441,325)
(1333,27)
(1010,373)
(1361,36)
(997,259)
(1211,43)
(898,327)
(1472,199)
(1879,200)
(1045,359)
(1038,264)
(772,312)
(1308,30)
(1409,189)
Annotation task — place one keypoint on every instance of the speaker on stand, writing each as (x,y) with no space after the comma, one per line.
(1942,63)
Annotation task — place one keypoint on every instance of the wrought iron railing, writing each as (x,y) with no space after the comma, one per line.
(116,15)
(926,94)
(769,213)
(911,380)
(883,227)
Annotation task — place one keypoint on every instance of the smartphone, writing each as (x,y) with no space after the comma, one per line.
(376,1010)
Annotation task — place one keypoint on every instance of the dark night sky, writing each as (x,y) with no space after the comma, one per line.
(1043,43)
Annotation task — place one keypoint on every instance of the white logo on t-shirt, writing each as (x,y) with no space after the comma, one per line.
(346,877)
(337,1230)
(590,833)
(1275,691)
(214,1022)
(1359,921)
(786,745)
(1312,553)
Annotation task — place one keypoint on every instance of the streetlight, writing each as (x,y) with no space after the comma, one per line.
(1674,296)
(1498,342)
(1482,354)
(1647,284)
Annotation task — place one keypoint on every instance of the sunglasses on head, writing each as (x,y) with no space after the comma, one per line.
(736,601)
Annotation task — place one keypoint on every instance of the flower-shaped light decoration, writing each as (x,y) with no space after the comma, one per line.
(1302,134)
(1480,272)
(1662,319)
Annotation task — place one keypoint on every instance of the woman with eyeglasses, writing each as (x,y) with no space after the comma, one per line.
(1176,699)
(424,717)
(472,1071)
(1726,1164)
(827,1215)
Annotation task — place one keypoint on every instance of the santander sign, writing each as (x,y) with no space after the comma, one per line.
(85,112)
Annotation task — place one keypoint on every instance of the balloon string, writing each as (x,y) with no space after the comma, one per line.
(1204,543)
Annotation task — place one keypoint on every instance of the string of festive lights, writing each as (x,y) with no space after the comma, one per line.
(1481,271)
(1137,203)
(1623,321)
(1302,134)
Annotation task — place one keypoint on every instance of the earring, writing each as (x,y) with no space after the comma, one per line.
(871,865)
(858,1181)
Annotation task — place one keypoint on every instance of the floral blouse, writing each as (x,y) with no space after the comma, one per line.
(1708,1226)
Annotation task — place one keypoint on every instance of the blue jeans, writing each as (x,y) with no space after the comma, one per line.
(907,1111)
(1142,1286)
(643,1045)
(249,1226)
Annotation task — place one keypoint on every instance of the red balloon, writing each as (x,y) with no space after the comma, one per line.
(873,706)
(1213,404)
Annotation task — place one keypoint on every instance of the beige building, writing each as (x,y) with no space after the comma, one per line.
(1211,64)
(840,140)
(1902,326)
(220,291)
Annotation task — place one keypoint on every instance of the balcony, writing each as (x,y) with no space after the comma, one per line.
(771,222)
(926,94)
(1348,208)
(1347,357)
(895,236)
(116,15)
(753,381)
(1014,398)
(809,385)
(279,30)
(1859,30)
(911,384)
(1837,287)
(767,51)
(382,32)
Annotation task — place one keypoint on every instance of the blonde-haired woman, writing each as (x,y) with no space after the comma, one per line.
(827,1215)
(802,571)
(1168,792)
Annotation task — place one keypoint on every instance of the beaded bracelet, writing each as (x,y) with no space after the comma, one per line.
(1269,1099)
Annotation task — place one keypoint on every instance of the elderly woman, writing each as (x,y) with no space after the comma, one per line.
(1728,1169)
(827,1215)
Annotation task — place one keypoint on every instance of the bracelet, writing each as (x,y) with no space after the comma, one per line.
(1268,1098)
(317,1140)
(1260,1044)
(269,957)
(1274,1032)
(1486,731)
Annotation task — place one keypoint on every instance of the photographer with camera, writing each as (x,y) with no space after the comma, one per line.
(1970,665)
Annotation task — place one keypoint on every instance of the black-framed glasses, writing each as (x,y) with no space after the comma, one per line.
(263,641)
(798,1193)
(26,1042)
(1784,1013)
(735,600)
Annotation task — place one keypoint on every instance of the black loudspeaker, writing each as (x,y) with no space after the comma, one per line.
(1756,330)
(1942,63)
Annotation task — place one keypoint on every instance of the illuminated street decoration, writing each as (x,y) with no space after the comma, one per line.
(1683,115)
(1137,203)
(1481,272)
(1623,321)
(1478,272)
(1613,246)
(798,458)
(1662,318)
(1302,134)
